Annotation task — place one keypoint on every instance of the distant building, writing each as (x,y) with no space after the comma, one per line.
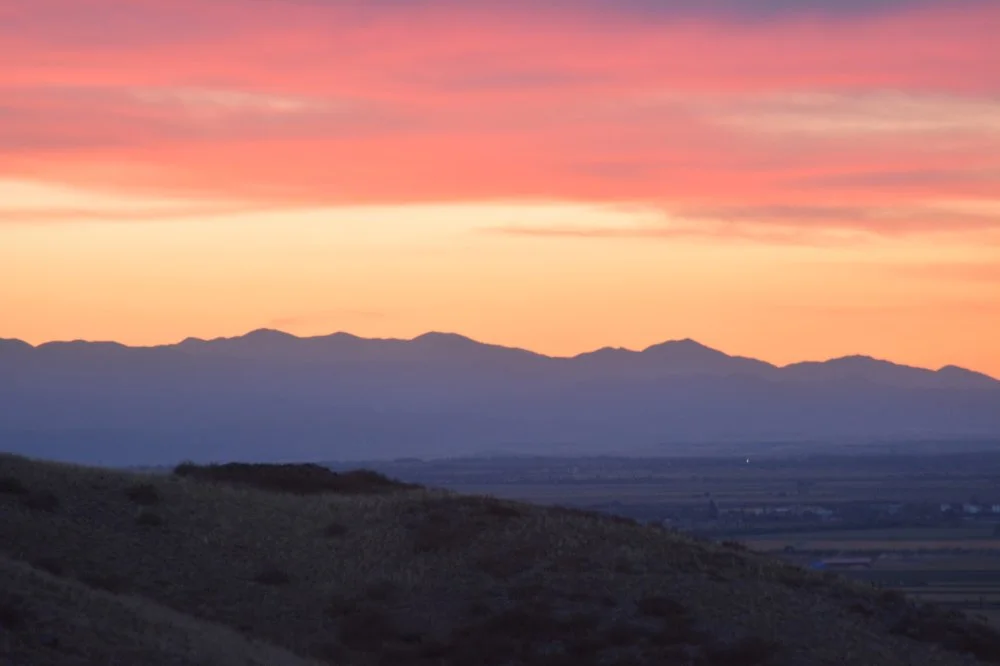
(972,508)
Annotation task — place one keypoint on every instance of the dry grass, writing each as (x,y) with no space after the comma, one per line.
(50,621)
(414,576)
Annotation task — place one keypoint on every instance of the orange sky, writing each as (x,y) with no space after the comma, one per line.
(783,183)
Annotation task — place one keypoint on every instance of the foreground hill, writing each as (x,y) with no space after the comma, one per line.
(113,567)
(325,398)
(50,620)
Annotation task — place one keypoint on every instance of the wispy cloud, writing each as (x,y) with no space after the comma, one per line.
(228,102)
(799,225)
(858,114)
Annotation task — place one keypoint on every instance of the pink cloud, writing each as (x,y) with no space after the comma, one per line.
(304,103)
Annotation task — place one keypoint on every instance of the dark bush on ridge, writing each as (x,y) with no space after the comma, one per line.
(41,501)
(12,486)
(144,494)
(299,479)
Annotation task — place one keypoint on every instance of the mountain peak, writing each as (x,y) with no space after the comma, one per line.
(445,339)
(685,346)
(268,334)
(966,376)
(13,344)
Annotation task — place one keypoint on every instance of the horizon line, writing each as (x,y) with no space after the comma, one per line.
(425,334)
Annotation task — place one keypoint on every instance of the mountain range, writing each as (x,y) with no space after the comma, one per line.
(269,395)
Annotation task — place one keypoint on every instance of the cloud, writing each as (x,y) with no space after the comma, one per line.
(228,102)
(671,9)
(780,225)
(906,179)
(875,112)
(318,103)
(66,216)
(27,202)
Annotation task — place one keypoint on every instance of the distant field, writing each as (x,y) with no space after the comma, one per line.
(973,538)
(874,544)
(733,490)
(979,532)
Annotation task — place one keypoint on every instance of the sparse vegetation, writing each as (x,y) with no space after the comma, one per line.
(12,486)
(297,479)
(272,575)
(334,530)
(750,651)
(660,607)
(51,565)
(144,494)
(48,621)
(108,582)
(44,500)
(426,577)
(366,629)
(148,518)
(948,628)
(13,612)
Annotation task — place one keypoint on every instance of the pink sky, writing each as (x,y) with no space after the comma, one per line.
(784,183)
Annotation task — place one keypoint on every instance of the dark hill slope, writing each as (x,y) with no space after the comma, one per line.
(47,620)
(427,577)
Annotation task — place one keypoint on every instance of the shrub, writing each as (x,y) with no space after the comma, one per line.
(41,501)
(367,629)
(298,479)
(106,582)
(12,486)
(50,565)
(503,510)
(660,606)
(385,590)
(272,576)
(13,613)
(144,494)
(891,598)
(148,519)
(952,630)
(444,530)
(621,633)
(506,564)
(334,530)
(329,651)
(750,651)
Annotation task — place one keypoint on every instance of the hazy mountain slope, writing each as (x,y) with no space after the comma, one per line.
(429,577)
(269,396)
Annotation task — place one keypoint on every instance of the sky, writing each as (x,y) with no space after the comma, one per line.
(785,180)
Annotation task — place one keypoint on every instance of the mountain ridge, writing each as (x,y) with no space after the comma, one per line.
(272,396)
(686,349)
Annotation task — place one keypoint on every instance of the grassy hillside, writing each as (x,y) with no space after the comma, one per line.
(54,621)
(115,567)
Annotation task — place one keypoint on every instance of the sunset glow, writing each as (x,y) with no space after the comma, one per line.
(780,183)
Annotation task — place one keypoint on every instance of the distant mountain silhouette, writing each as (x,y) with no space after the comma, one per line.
(268,395)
